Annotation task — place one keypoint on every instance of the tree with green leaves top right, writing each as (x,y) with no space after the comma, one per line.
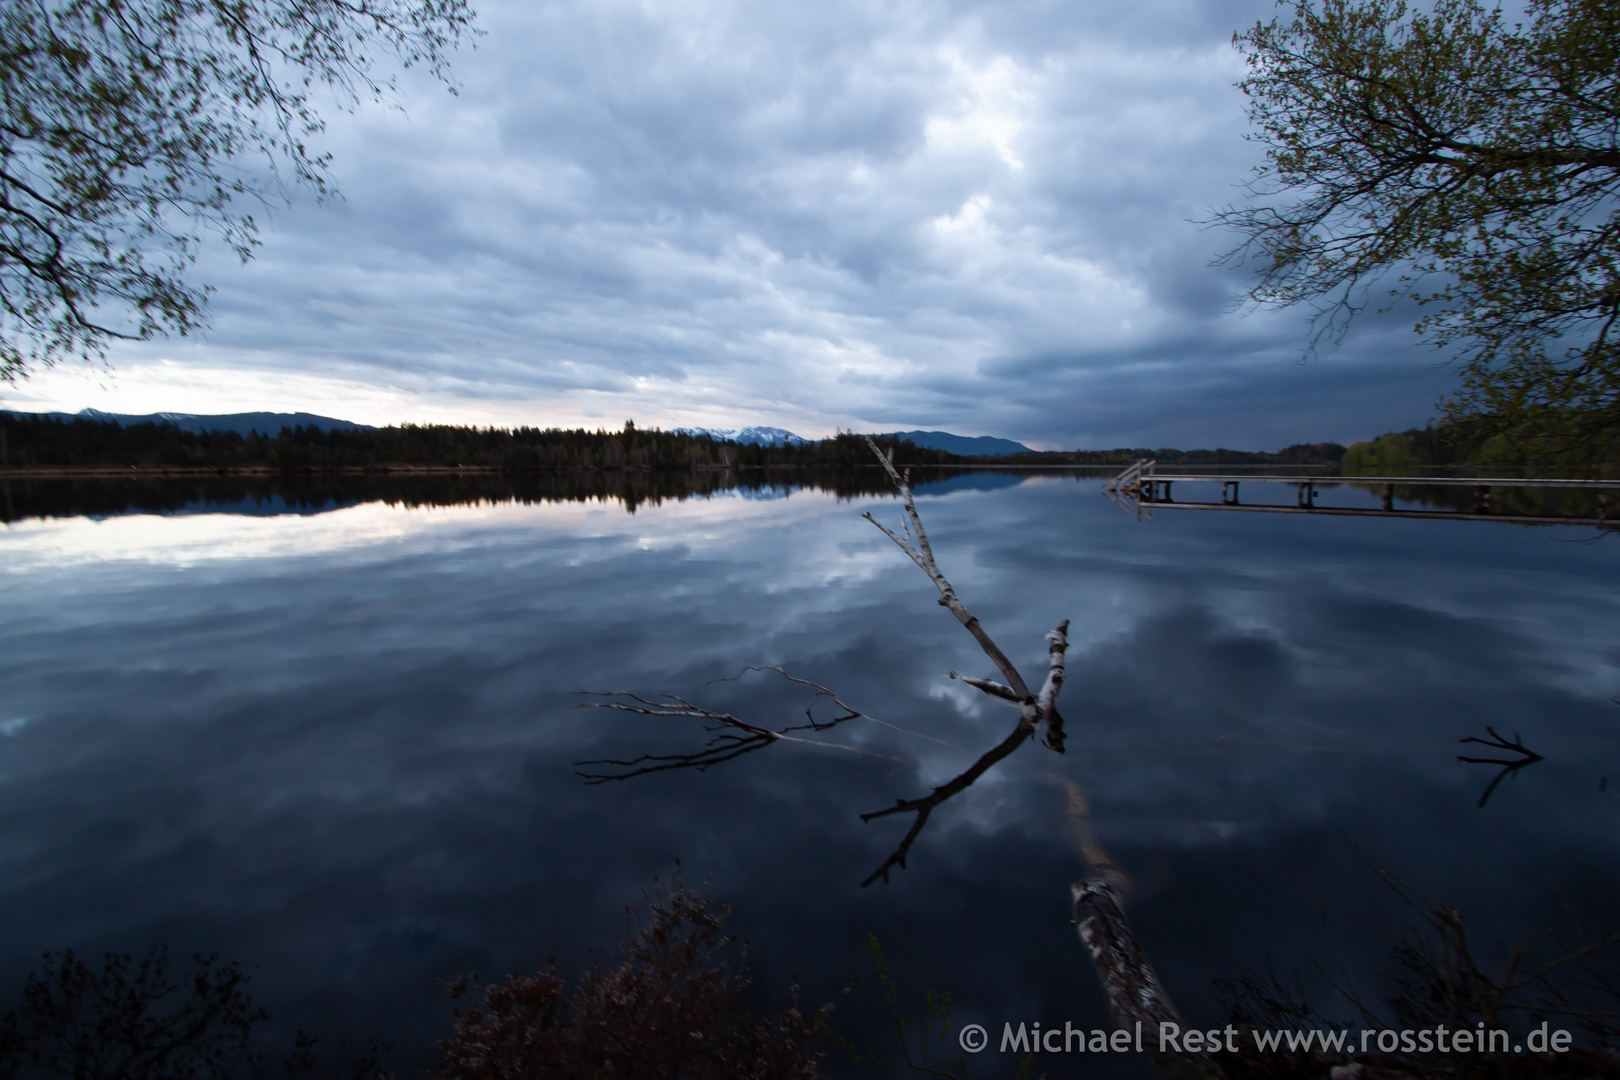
(1453,158)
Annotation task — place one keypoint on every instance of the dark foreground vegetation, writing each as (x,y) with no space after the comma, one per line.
(678,1003)
(30,441)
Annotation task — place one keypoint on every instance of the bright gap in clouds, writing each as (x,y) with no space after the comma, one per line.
(908,214)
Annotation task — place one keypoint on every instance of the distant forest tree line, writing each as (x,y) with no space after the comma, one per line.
(1479,446)
(24,496)
(29,441)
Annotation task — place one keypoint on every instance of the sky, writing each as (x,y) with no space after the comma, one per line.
(892,214)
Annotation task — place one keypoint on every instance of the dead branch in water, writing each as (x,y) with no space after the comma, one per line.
(924,806)
(1129,979)
(731,737)
(913,540)
(1510,766)
(1127,976)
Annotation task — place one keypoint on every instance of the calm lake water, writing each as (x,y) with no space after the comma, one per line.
(336,742)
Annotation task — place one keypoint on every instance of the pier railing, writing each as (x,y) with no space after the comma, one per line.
(1141,488)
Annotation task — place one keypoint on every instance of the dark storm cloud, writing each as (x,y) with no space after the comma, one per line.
(961,215)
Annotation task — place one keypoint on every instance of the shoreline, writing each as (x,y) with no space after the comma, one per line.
(134,472)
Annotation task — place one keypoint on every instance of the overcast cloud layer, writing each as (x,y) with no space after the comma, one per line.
(901,214)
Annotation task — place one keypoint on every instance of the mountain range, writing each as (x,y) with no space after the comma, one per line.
(272,422)
(966,445)
(982,445)
(269,423)
(754,436)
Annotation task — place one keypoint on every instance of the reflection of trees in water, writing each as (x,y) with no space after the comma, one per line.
(1578,503)
(21,499)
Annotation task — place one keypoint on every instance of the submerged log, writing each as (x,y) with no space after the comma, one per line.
(1134,993)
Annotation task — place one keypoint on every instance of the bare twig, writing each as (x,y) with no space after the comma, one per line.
(1510,766)
(823,692)
(991,687)
(729,737)
(1032,709)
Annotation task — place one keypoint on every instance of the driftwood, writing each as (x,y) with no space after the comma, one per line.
(1033,709)
(1028,710)
(913,541)
(1128,978)
(1135,998)
(731,737)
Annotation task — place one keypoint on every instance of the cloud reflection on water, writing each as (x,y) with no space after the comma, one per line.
(340,746)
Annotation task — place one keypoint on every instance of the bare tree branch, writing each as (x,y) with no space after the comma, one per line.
(923,556)
(1046,702)
(1029,710)
(925,806)
(1510,766)
(729,738)
(994,689)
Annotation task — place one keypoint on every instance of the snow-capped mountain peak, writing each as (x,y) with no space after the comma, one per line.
(757,436)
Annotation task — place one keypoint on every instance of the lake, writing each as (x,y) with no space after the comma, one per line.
(333,735)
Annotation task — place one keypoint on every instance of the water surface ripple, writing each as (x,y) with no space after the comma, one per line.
(338,745)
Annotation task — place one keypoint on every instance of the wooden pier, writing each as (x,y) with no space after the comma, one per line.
(1141,489)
